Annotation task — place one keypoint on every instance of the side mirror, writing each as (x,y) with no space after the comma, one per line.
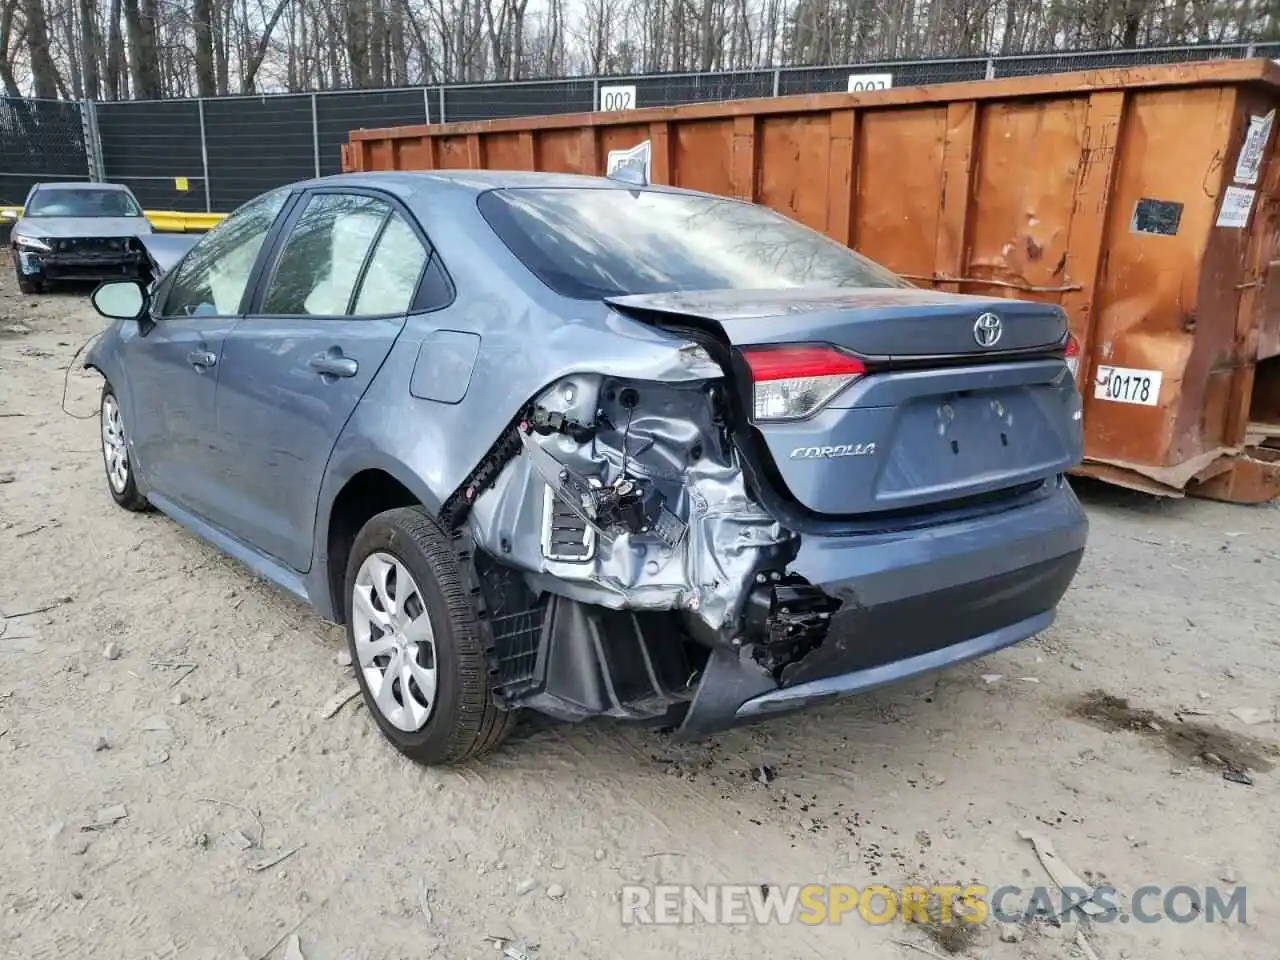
(120,299)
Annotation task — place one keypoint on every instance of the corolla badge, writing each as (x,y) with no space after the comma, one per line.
(830,453)
(987,330)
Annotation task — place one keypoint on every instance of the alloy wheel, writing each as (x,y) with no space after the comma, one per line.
(115,452)
(394,643)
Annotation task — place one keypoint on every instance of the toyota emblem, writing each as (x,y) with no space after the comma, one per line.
(987,330)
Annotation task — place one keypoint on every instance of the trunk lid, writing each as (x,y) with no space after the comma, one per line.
(879,322)
(932,409)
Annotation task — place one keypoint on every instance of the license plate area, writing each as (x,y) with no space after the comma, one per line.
(962,443)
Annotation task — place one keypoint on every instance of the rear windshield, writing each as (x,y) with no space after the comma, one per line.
(89,202)
(589,243)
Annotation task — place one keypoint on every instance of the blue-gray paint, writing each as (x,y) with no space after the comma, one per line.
(784,699)
(443,369)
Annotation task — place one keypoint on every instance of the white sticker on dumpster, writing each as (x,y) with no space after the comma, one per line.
(862,82)
(638,159)
(621,97)
(1237,202)
(1127,385)
(1255,143)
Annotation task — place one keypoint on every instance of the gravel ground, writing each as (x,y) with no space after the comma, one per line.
(197,752)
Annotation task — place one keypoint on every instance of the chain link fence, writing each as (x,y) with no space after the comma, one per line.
(213,154)
(39,140)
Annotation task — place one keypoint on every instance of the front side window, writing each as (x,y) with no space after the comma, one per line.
(590,243)
(211,279)
(320,264)
(81,202)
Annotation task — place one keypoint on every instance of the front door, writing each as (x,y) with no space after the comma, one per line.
(174,356)
(294,369)
(173,377)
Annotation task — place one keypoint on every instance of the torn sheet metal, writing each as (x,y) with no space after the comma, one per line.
(664,519)
(1165,481)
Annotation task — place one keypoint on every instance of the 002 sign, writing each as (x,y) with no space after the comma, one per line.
(617,98)
(864,82)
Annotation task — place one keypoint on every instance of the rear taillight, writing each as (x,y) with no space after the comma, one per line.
(794,382)
(1073,354)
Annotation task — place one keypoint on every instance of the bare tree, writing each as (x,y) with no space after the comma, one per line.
(145,48)
(44,72)
(8,11)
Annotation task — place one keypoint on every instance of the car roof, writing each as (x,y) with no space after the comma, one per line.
(408,182)
(81,185)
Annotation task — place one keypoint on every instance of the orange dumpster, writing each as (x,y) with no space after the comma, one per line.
(1145,201)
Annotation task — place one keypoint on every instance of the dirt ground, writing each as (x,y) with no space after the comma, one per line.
(208,731)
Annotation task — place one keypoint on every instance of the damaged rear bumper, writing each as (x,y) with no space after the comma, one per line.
(636,574)
(909,604)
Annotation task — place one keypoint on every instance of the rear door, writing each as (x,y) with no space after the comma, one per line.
(173,360)
(328,312)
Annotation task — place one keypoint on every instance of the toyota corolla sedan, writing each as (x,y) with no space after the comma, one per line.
(78,231)
(589,447)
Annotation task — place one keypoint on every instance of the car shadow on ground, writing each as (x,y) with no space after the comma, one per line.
(70,289)
(873,735)
(916,733)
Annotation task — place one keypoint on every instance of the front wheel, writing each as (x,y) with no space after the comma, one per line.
(115,455)
(417,641)
(26,284)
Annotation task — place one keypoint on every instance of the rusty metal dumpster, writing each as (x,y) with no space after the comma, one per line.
(1146,202)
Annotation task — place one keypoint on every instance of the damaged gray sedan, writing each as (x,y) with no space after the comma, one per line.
(593,448)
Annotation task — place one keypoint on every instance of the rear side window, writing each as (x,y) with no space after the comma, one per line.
(589,243)
(392,275)
(320,265)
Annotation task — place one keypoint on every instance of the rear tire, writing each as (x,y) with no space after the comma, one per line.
(418,644)
(115,455)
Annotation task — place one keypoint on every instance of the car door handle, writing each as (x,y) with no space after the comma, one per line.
(333,365)
(202,358)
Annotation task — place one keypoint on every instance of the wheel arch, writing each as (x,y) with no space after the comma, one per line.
(106,365)
(364,493)
(102,357)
